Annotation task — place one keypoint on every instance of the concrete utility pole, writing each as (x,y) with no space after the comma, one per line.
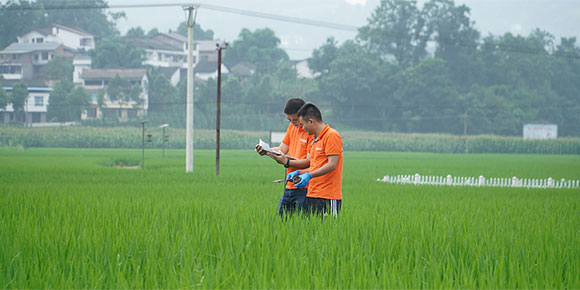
(189,125)
(220,46)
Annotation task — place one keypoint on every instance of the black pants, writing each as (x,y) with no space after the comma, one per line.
(322,206)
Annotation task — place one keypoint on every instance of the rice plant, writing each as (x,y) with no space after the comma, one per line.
(70,219)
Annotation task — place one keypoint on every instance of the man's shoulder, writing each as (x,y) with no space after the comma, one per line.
(332,133)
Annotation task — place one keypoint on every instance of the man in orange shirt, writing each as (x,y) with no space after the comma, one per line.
(324,177)
(296,144)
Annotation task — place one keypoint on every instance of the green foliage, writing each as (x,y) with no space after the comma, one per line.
(17,18)
(198,32)
(152,32)
(493,85)
(130,137)
(67,102)
(94,20)
(18,96)
(123,91)
(323,56)
(397,29)
(113,53)
(58,68)
(4,98)
(260,48)
(69,219)
(135,32)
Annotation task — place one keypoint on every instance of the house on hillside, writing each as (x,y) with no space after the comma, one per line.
(160,53)
(206,70)
(69,37)
(96,80)
(80,63)
(24,61)
(35,105)
(173,39)
(203,50)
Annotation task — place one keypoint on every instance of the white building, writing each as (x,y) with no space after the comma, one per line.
(159,53)
(35,105)
(206,70)
(80,63)
(302,69)
(24,61)
(67,36)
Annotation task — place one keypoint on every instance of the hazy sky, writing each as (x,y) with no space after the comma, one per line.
(559,17)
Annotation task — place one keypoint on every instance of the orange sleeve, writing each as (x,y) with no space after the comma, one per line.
(333,144)
(286,140)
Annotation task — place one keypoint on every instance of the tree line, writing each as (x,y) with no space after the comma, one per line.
(411,68)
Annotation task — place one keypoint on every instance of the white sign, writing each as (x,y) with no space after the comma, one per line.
(540,131)
(276,137)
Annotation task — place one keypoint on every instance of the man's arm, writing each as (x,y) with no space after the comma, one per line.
(326,168)
(298,163)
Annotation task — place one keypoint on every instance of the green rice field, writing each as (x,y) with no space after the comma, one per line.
(70,218)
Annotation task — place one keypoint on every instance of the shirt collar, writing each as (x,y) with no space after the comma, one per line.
(324,130)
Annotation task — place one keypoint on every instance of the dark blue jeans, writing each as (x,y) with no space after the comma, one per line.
(291,201)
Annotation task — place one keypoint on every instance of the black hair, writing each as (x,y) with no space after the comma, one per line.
(293,105)
(310,111)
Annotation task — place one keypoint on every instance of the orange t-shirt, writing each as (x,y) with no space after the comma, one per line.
(328,186)
(298,142)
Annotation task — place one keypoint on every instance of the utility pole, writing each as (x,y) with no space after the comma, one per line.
(220,46)
(164,137)
(189,124)
(143,144)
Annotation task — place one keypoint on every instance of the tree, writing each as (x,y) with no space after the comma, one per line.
(78,100)
(94,20)
(456,39)
(352,84)
(112,53)
(135,32)
(4,98)
(198,32)
(397,29)
(122,91)
(162,95)
(260,47)
(17,18)
(323,56)
(152,32)
(58,107)
(58,68)
(18,96)
(425,98)
(67,102)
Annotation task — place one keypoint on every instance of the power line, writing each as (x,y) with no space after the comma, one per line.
(276,17)
(282,18)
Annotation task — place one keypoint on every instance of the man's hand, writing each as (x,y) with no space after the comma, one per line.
(278,158)
(292,174)
(260,151)
(305,179)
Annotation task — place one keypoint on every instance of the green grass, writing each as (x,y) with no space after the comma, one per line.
(70,219)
